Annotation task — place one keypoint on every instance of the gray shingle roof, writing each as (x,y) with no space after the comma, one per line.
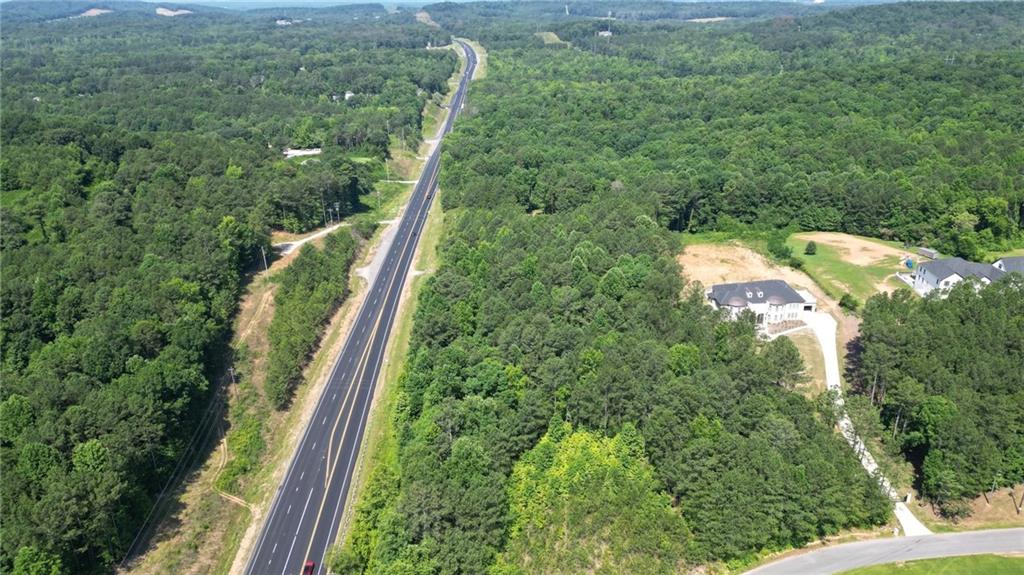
(942,269)
(776,292)
(1013,264)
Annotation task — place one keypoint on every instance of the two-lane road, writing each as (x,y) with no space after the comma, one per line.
(839,558)
(307,509)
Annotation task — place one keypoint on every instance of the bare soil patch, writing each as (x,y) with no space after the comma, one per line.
(171,13)
(93,12)
(997,511)
(854,250)
(712,264)
(423,17)
(710,20)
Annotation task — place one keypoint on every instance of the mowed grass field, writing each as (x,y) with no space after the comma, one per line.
(967,565)
(851,264)
(814,363)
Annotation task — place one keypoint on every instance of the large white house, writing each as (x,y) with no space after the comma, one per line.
(946,273)
(771,301)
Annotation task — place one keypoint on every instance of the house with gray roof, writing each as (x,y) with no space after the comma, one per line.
(1010,264)
(945,273)
(771,301)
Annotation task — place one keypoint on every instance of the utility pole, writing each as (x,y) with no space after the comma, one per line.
(387,171)
(263,252)
(323,210)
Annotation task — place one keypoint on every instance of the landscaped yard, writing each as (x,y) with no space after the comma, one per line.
(968,565)
(845,263)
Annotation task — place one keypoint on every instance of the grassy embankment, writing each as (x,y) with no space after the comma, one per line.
(967,565)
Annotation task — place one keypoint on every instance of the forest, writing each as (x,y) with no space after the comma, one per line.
(557,353)
(946,375)
(142,172)
(311,290)
(886,121)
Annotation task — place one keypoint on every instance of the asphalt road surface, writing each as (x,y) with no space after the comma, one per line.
(861,554)
(304,517)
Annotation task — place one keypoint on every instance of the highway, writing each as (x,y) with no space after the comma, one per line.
(308,506)
(861,554)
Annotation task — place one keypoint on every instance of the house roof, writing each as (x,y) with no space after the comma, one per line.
(945,268)
(1013,264)
(775,292)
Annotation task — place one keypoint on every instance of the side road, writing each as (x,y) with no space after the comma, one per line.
(863,553)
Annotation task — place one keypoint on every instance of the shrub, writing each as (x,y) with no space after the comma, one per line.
(777,247)
(811,249)
(849,302)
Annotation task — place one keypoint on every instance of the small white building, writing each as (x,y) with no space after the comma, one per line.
(771,301)
(946,273)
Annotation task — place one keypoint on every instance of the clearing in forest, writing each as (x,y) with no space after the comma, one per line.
(712,264)
(846,263)
(171,13)
(423,17)
(93,12)
(550,38)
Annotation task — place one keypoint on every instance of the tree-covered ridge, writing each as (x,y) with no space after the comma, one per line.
(508,24)
(853,121)
(946,375)
(137,188)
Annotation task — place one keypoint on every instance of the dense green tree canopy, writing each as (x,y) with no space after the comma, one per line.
(141,173)
(899,122)
(946,374)
(582,503)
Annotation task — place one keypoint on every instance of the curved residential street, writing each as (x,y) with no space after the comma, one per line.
(863,553)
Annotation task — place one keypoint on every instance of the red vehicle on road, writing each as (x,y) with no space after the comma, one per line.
(309,567)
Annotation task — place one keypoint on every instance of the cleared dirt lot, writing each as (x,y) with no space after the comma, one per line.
(847,263)
(855,250)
